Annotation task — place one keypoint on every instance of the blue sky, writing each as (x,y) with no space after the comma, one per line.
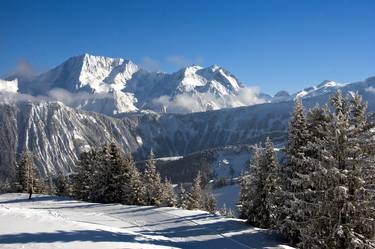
(274,44)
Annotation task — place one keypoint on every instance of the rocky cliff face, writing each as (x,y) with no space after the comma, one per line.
(57,134)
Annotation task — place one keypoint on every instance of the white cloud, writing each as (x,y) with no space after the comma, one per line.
(75,99)
(56,94)
(370,89)
(196,102)
(24,69)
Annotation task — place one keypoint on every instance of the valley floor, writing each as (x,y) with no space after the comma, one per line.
(54,222)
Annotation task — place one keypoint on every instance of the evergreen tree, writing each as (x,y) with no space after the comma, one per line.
(196,194)
(115,174)
(27,175)
(107,176)
(363,124)
(133,188)
(183,197)
(227,212)
(152,183)
(342,215)
(62,185)
(259,206)
(168,198)
(83,181)
(293,179)
(245,193)
(209,203)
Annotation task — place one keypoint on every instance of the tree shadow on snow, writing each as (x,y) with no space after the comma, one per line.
(254,240)
(25,198)
(71,236)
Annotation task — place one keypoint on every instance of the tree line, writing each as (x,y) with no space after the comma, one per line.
(107,175)
(322,194)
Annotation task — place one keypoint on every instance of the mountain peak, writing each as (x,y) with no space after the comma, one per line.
(282,93)
(214,67)
(327,83)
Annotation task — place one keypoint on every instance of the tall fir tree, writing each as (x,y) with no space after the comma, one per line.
(261,184)
(168,198)
(183,197)
(62,185)
(152,182)
(294,177)
(27,175)
(245,194)
(342,214)
(116,174)
(83,181)
(133,189)
(196,194)
(209,202)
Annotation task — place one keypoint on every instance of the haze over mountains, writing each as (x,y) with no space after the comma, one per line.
(56,132)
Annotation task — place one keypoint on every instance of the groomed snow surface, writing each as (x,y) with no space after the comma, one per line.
(54,222)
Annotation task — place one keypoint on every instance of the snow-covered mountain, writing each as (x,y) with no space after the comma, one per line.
(88,82)
(56,134)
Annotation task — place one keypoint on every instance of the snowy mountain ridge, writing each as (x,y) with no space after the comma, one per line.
(124,87)
(56,134)
(115,85)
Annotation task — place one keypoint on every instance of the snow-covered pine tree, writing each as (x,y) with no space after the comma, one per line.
(209,202)
(261,186)
(196,193)
(102,175)
(83,181)
(363,124)
(113,174)
(293,178)
(244,199)
(183,197)
(27,175)
(152,182)
(248,185)
(316,180)
(342,215)
(133,188)
(62,185)
(23,173)
(168,198)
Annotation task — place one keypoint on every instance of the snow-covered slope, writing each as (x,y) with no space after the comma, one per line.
(52,222)
(128,88)
(326,87)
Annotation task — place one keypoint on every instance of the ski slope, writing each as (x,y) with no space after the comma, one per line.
(54,222)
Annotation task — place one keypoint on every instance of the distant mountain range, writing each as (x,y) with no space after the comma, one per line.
(144,111)
(115,85)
